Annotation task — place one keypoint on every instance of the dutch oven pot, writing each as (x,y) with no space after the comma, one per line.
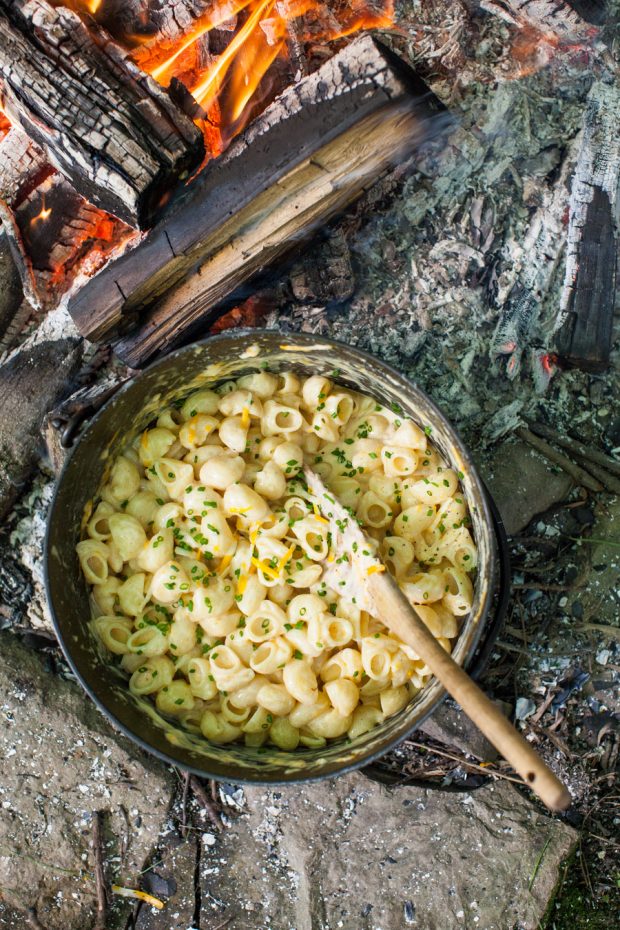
(127,414)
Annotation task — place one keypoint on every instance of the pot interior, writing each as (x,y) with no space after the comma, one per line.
(128,413)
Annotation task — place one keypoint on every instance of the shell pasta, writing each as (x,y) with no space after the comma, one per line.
(209,565)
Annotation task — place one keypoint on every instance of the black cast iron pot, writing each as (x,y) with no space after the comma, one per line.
(128,413)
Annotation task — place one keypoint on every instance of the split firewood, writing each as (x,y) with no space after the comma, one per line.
(584,323)
(309,155)
(110,128)
(35,378)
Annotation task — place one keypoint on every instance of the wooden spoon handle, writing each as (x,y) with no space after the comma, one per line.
(396,612)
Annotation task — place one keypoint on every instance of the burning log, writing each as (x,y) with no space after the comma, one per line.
(10,288)
(310,154)
(23,166)
(111,129)
(584,324)
(61,232)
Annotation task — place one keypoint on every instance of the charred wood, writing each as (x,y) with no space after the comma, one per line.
(531,267)
(20,255)
(111,129)
(324,274)
(32,381)
(559,17)
(11,293)
(310,154)
(23,166)
(164,18)
(584,324)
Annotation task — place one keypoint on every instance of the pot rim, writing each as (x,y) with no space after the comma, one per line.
(252,335)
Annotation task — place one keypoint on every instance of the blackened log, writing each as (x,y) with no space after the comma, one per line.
(21,258)
(310,154)
(128,19)
(32,381)
(10,286)
(111,129)
(324,274)
(23,166)
(584,324)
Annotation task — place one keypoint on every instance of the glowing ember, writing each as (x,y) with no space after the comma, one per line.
(44,215)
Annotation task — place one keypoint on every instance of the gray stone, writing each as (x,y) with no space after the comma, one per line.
(349,854)
(523,483)
(59,762)
(451,726)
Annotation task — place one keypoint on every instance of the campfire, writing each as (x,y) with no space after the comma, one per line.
(183,131)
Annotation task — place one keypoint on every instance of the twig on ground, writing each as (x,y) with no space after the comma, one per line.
(589,453)
(532,586)
(223,924)
(485,769)
(605,628)
(102,898)
(208,805)
(184,825)
(579,474)
(610,482)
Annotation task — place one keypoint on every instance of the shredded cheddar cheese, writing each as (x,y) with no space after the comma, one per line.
(317,514)
(265,569)
(245,417)
(243,583)
(285,558)
(375,568)
(226,560)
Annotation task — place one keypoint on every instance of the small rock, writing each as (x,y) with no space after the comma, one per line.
(329,846)
(524,708)
(523,484)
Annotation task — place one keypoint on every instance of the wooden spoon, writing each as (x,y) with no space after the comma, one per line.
(358,570)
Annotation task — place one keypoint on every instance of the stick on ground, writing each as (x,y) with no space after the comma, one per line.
(102,898)
(208,805)
(577,448)
(580,475)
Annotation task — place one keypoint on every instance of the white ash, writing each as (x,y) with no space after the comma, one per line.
(28,538)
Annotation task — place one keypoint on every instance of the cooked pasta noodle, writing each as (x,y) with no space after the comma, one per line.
(206,561)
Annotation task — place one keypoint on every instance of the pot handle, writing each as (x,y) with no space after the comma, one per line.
(80,407)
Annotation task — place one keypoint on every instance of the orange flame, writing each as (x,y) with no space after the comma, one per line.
(44,215)
(231,83)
